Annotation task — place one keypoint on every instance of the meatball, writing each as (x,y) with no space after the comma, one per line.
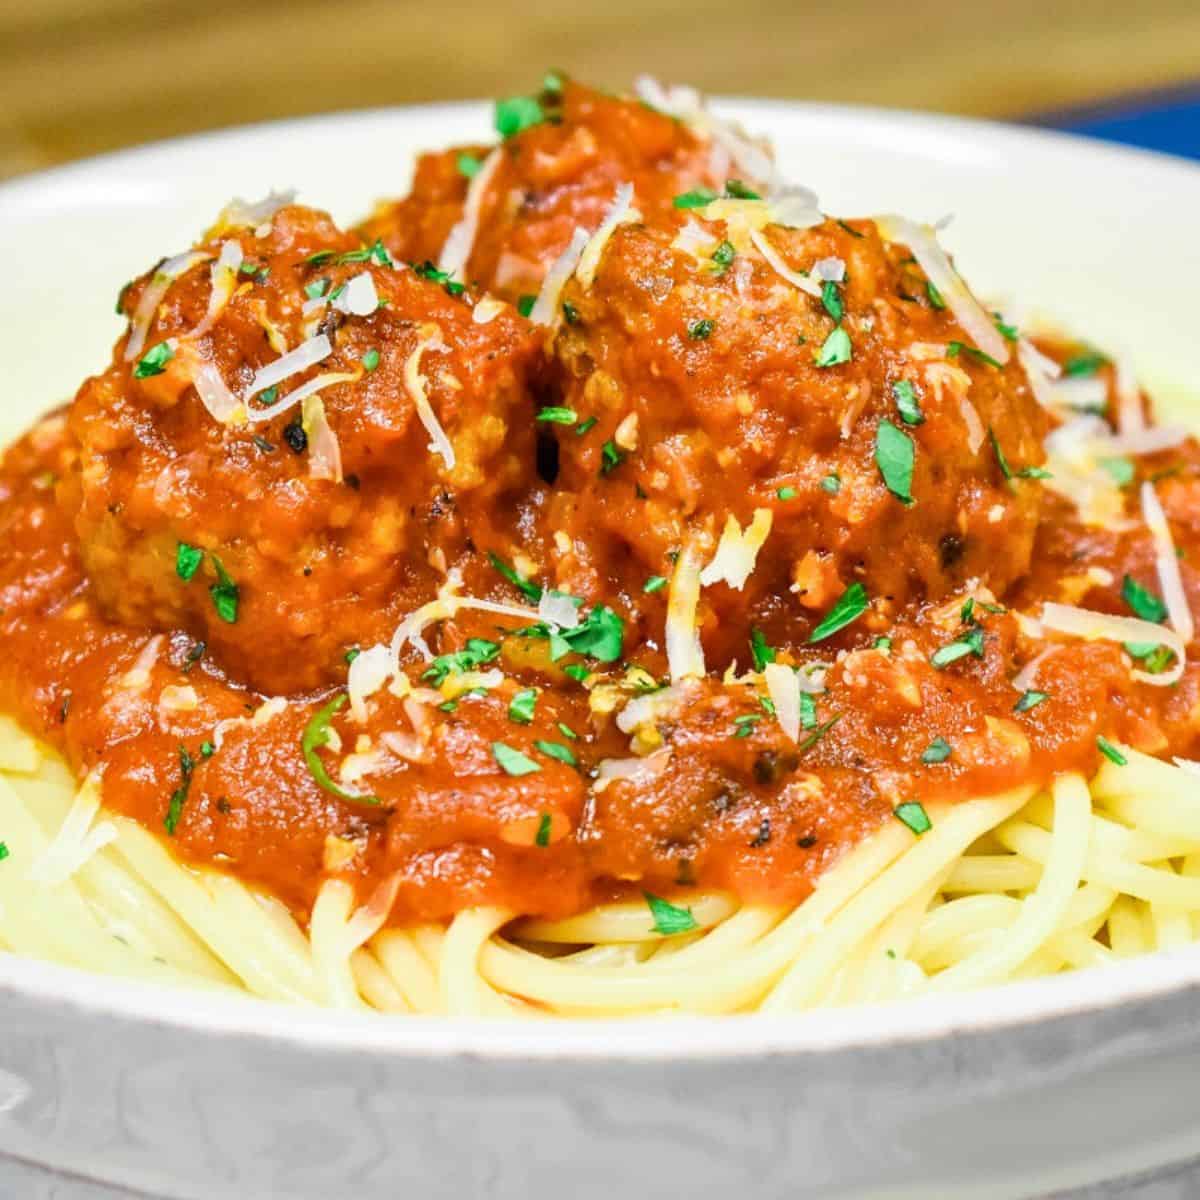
(549,178)
(700,384)
(283,509)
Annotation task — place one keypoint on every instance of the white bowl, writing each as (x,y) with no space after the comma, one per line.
(107,1086)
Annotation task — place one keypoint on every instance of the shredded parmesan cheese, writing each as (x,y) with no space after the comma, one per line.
(783,686)
(77,840)
(685,656)
(238,213)
(224,276)
(459,243)
(937,266)
(557,608)
(324,451)
(160,282)
(737,550)
(641,769)
(1167,562)
(416,385)
(545,307)
(369,671)
(1083,623)
(306,355)
(359,297)
(804,282)
(619,212)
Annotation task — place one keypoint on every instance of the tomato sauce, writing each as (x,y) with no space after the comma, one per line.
(183,594)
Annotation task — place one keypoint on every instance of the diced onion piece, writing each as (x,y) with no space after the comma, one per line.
(619,212)
(164,275)
(224,276)
(1167,562)
(685,655)
(804,282)
(555,608)
(641,769)
(370,670)
(415,384)
(783,686)
(975,431)
(456,251)
(77,840)
(324,451)
(307,354)
(737,551)
(359,297)
(937,266)
(1092,626)
(545,307)
(256,416)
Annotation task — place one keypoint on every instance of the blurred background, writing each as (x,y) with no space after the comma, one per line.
(78,77)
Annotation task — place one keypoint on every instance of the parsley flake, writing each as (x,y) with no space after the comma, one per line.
(971,642)
(937,751)
(907,404)
(669,919)
(370,360)
(832,300)
(556,415)
(1142,601)
(513,762)
(225,594)
(849,607)
(894,453)
(1030,699)
(187,560)
(555,750)
(316,735)
(517,113)
(542,837)
(1111,752)
(655,583)
(525,586)
(835,350)
(154,361)
(521,706)
(913,814)
(697,198)
(762,652)
(699,331)
(785,493)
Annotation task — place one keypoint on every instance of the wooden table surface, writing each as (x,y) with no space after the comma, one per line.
(82,76)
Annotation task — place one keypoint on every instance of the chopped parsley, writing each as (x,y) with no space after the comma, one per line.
(954,349)
(370,360)
(849,607)
(1030,699)
(907,404)
(1111,752)
(576,671)
(611,457)
(785,493)
(669,919)
(558,751)
(808,711)
(737,190)
(513,762)
(655,583)
(542,837)
(3,851)
(517,113)
(1154,658)
(1005,469)
(1034,473)
(883,644)
(180,794)
(832,300)
(525,305)
(1120,470)
(225,594)
(937,751)
(521,706)
(970,642)
(428,271)
(762,652)
(818,733)
(316,735)
(722,258)
(851,230)
(912,813)
(1087,363)
(154,361)
(599,635)
(699,331)
(570,313)
(586,426)
(894,454)
(468,165)
(476,653)
(187,560)
(566,731)
(194,655)
(832,484)
(1142,601)
(525,586)
(935,297)
(696,198)
(835,350)
(556,415)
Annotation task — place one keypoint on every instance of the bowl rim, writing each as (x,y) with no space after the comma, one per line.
(907,1023)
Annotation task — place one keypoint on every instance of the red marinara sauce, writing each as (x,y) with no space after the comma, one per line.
(186,587)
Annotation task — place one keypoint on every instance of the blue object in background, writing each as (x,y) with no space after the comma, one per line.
(1165,121)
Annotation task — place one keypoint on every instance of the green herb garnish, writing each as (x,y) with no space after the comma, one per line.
(762,652)
(832,300)
(1030,699)
(696,198)
(668,918)
(225,594)
(517,113)
(513,762)
(1111,752)
(722,258)
(154,361)
(913,814)
(894,453)
(554,750)
(180,794)
(556,415)
(907,404)
(611,457)
(526,586)
(835,350)
(542,837)
(970,642)
(937,751)
(468,165)
(785,493)
(477,652)
(370,360)
(699,331)
(521,706)
(849,607)
(187,560)
(1142,601)
(316,735)
(654,584)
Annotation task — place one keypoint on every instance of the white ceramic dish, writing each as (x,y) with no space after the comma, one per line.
(109,1090)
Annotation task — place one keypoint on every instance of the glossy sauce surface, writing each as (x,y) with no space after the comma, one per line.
(487,775)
